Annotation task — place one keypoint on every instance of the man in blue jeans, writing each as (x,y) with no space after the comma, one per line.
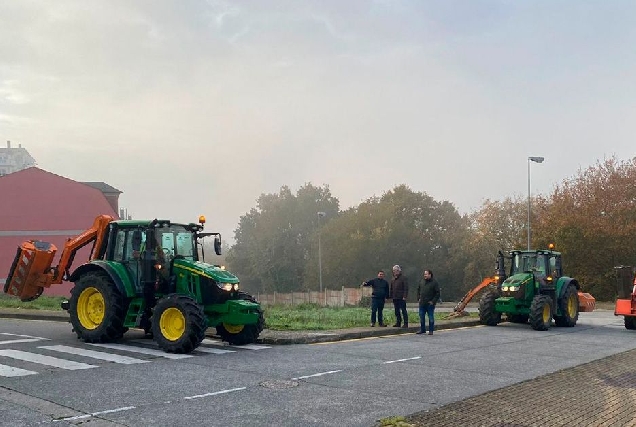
(379,293)
(428,294)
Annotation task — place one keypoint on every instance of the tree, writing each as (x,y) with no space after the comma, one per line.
(273,239)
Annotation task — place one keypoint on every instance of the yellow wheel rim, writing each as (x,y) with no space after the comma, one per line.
(546,313)
(172,324)
(90,308)
(573,305)
(233,329)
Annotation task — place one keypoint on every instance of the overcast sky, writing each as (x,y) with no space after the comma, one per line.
(198,107)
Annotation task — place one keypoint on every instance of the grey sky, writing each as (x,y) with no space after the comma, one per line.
(195,107)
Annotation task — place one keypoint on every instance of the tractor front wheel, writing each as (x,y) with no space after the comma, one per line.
(630,322)
(569,308)
(238,334)
(97,309)
(178,324)
(541,313)
(487,314)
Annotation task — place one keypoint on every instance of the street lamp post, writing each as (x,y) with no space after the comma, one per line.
(536,160)
(320,215)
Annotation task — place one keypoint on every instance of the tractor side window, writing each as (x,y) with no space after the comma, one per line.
(540,264)
(135,244)
(553,267)
(167,243)
(119,246)
(184,244)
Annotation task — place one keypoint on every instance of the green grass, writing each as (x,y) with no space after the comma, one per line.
(42,303)
(301,317)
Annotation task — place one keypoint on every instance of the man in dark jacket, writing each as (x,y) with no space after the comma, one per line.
(428,294)
(379,292)
(399,293)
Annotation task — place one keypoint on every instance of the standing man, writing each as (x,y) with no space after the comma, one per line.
(399,293)
(380,292)
(428,294)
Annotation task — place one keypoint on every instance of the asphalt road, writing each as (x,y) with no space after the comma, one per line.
(351,383)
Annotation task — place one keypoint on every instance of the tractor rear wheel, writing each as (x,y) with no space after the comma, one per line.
(97,309)
(569,307)
(487,314)
(178,324)
(541,313)
(518,318)
(630,322)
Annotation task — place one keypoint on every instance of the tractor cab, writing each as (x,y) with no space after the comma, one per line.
(542,263)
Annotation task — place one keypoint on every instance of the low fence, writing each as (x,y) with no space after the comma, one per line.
(328,297)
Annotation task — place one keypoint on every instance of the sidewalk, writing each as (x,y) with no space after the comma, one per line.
(268,336)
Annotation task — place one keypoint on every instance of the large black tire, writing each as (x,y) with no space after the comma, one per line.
(178,324)
(97,309)
(238,335)
(261,316)
(518,318)
(569,307)
(541,313)
(487,314)
(630,322)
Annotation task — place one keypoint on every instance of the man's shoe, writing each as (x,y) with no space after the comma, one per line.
(430,333)
(372,325)
(419,332)
(405,327)
(397,325)
(383,325)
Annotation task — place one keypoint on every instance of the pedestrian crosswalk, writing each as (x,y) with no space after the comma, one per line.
(42,354)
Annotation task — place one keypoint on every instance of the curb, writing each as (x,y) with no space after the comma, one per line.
(269,336)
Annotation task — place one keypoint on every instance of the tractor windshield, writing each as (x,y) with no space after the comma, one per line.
(525,262)
(176,241)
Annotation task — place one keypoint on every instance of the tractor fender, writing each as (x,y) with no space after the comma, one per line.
(107,268)
(563,283)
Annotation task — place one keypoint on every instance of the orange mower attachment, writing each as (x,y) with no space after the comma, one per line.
(31,270)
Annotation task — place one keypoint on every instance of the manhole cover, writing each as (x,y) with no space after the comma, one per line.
(279,384)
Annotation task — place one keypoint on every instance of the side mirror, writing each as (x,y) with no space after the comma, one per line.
(217,244)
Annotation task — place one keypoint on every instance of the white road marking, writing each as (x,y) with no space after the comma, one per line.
(23,338)
(141,350)
(212,350)
(246,346)
(403,360)
(316,375)
(214,393)
(9,371)
(116,358)
(45,360)
(109,411)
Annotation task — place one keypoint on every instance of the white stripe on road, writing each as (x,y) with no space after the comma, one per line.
(403,360)
(9,371)
(212,350)
(45,360)
(198,396)
(246,346)
(23,338)
(316,375)
(110,411)
(141,350)
(116,358)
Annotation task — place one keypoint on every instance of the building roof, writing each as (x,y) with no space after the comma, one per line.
(103,187)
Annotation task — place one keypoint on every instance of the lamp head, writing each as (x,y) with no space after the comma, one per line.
(536,159)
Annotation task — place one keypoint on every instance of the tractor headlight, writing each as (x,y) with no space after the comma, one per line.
(228,287)
(513,288)
(504,288)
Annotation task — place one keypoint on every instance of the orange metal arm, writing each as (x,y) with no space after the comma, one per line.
(96,233)
(461,305)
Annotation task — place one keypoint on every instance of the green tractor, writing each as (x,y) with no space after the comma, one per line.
(142,274)
(535,291)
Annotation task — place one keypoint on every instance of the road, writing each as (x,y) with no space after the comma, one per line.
(49,377)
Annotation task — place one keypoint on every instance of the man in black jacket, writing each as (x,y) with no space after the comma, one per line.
(380,292)
(399,293)
(428,294)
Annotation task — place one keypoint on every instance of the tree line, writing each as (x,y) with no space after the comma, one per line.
(591,218)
